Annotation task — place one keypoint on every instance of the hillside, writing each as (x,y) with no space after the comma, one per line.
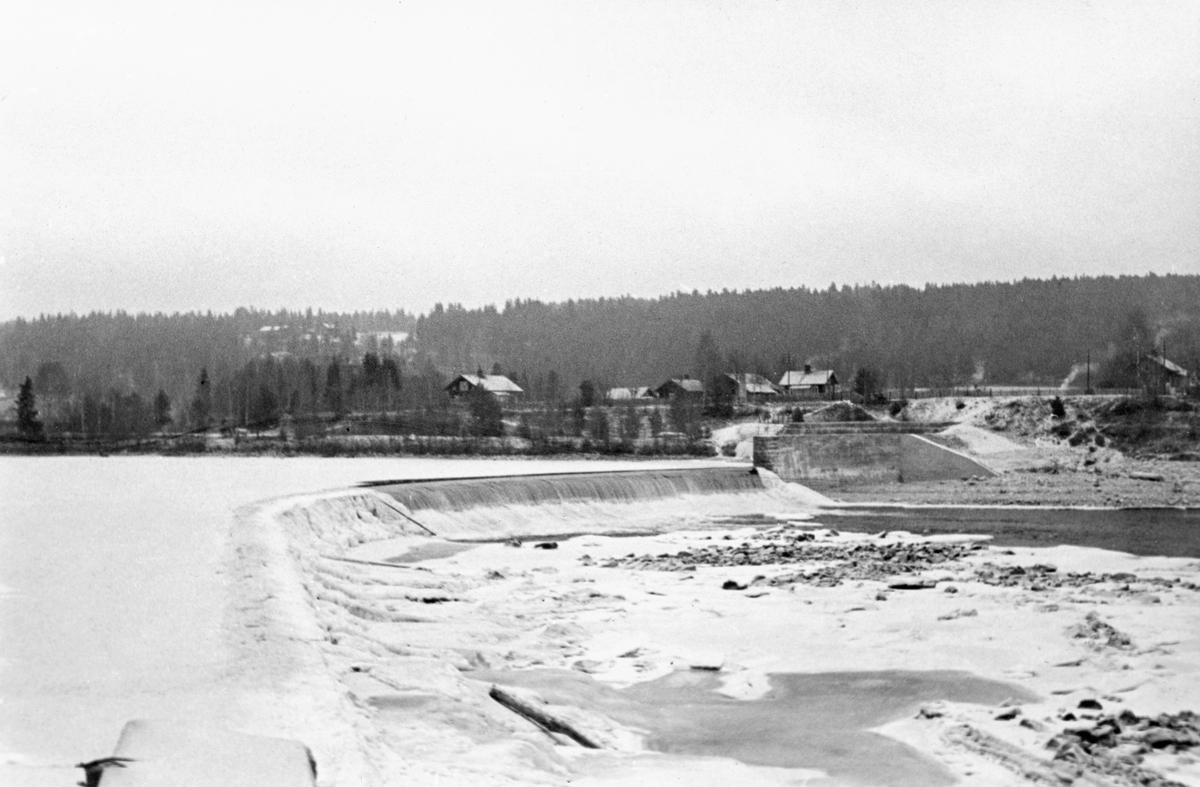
(258,365)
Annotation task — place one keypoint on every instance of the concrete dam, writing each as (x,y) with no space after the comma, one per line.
(614,502)
(862,452)
(630,486)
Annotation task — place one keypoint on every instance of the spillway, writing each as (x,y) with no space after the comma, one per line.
(531,490)
(568,503)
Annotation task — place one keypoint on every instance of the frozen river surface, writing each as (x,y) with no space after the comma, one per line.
(111,591)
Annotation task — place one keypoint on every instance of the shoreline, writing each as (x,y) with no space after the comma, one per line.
(1044,478)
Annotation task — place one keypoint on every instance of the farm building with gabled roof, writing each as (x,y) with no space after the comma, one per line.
(1167,375)
(809,381)
(628,394)
(496,384)
(744,387)
(685,386)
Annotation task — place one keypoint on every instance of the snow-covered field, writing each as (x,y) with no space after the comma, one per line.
(115,590)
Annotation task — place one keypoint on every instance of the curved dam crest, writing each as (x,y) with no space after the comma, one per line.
(571,503)
(460,494)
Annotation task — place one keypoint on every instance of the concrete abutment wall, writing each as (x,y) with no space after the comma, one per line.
(866,456)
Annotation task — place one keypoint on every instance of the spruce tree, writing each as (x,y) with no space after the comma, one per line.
(162,409)
(486,413)
(333,389)
(202,403)
(27,415)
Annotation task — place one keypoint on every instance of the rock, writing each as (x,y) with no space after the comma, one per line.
(1090,704)
(480,660)
(1147,476)
(911,584)
(730,584)
(1100,632)
(1008,714)
(1160,738)
(564,632)
(546,545)
(707,661)
(591,666)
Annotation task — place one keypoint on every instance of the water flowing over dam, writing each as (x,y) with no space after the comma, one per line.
(531,490)
(564,503)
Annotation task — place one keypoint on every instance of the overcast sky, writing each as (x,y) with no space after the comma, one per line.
(176,156)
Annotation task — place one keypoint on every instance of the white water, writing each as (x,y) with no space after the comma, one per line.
(642,501)
(115,601)
(629,487)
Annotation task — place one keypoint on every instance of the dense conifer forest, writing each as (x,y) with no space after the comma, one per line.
(143,371)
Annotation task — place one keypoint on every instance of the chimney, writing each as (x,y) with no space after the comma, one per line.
(808,368)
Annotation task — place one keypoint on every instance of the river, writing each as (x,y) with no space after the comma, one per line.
(111,596)
(1169,532)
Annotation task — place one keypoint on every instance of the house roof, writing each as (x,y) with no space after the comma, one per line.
(688,384)
(816,377)
(753,383)
(493,383)
(1170,366)
(640,392)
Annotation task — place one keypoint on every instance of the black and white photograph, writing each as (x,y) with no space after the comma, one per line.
(637,393)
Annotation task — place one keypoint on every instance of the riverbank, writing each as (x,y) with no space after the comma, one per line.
(1046,475)
(272,444)
(1038,459)
(1179,487)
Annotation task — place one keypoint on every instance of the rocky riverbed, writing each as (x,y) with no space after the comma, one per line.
(420,648)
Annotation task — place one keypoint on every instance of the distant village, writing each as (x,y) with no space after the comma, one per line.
(320,380)
(744,387)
